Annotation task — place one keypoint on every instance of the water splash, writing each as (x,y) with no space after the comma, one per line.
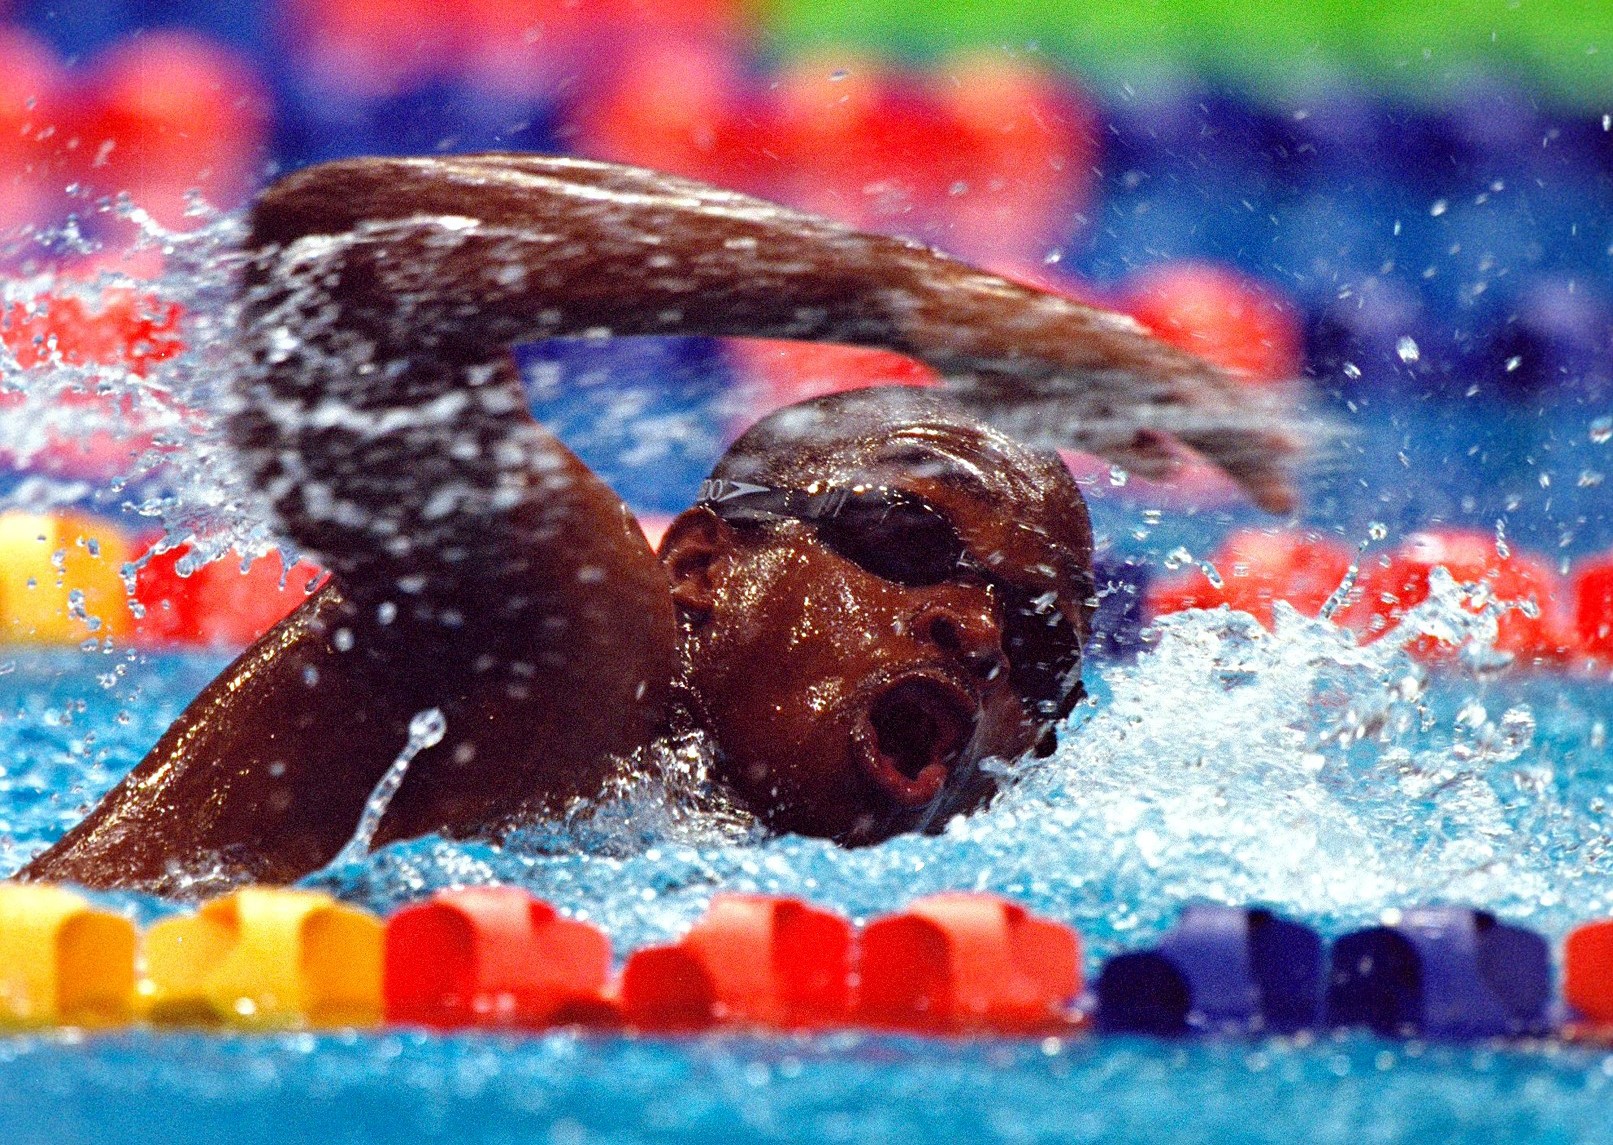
(153,417)
(1294,768)
(426,729)
(1289,767)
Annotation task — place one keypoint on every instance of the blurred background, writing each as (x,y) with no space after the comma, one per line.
(1406,206)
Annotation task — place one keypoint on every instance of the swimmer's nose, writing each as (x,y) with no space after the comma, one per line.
(970,634)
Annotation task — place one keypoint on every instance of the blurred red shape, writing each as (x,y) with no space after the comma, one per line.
(1022,156)
(220,604)
(680,107)
(367,49)
(780,373)
(1258,567)
(1220,315)
(170,112)
(957,963)
(1593,606)
(33,135)
(120,326)
(164,601)
(491,956)
(860,143)
(987,156)
(1391,586)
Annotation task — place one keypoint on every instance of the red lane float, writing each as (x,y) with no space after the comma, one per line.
(221,605)
(751,960)
(493,956)
(962,963)
(1219,314)
(1593,607)
(1258,567)
(1391,586)
(170,112)
(235,603)
(1588,977)
(32,103)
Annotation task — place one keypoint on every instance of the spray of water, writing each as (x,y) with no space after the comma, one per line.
(426,729)
(1293,767)
(171,464)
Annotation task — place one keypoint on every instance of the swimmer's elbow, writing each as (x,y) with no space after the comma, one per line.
(328,199)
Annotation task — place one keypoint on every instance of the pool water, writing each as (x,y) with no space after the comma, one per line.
(1292,769)
(1322,779)
(175,1089)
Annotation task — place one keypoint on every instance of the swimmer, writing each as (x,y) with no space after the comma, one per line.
(875,593)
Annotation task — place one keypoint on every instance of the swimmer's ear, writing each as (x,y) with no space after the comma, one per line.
(690,551)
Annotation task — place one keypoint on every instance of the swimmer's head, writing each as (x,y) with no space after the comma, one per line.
(878,593)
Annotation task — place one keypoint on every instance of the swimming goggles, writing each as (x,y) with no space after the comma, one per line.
(904,539)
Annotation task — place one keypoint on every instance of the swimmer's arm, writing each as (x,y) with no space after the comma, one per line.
(495,249)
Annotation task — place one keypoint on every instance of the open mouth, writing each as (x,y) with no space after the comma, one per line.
(916,732)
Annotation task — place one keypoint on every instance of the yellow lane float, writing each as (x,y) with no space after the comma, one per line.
(61,578)
(62,961)
(265,958)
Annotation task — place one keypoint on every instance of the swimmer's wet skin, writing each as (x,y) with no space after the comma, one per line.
(898,592)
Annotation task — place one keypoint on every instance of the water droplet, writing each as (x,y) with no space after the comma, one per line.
(1406,347)
(426,729)
(1177,558)
(1602,430)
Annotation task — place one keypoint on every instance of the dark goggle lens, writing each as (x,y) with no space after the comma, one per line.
(904,542)
(912,544)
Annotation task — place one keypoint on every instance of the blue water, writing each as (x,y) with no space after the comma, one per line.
(1293,770)
(178,1089)
(1466,788)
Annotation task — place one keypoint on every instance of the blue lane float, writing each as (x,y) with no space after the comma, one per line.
(1221,969)
(1441,972)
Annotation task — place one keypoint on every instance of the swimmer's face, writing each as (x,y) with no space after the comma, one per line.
(854,696)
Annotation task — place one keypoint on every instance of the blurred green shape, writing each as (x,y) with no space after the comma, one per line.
(1411,47)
